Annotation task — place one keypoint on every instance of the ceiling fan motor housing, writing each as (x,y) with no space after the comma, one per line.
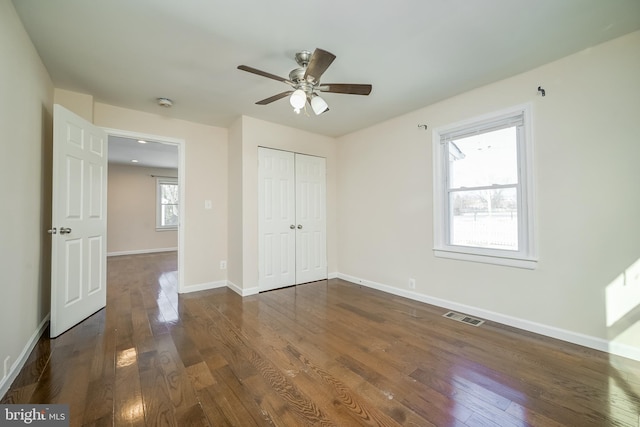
(303,58)
(307,85)
(297,75)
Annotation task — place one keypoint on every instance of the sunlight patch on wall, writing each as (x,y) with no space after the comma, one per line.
(623,312)
(623,294)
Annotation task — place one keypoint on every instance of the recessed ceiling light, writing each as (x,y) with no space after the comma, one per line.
(134,161)
(142,141)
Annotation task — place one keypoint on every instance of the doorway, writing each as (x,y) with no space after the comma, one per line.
(292,222)
(155,166)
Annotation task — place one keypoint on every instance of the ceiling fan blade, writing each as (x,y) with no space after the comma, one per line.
(264,74)
(318,64)
(350,89)
(274,98)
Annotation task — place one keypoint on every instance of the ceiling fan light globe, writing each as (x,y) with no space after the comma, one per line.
(319,105)
(297,99)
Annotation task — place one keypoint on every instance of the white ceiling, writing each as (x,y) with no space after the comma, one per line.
(150,154)
(414,52)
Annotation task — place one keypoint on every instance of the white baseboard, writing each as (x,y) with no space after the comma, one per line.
(219,284)
(6,382)
(256,290)
(240,291)
(538,328)
(624,350)
(203,287)
(141,251)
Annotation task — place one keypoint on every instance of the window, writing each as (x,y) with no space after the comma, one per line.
(167,204)
(482,190)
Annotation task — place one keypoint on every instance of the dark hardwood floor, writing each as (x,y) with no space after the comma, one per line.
(325,353)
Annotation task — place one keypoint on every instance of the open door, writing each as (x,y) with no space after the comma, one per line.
(78,220)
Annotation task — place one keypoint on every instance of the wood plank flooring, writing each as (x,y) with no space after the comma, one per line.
(326,353)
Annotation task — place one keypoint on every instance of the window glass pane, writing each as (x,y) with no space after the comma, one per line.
(483,160)
(484,218)
(169,215)
(168,194)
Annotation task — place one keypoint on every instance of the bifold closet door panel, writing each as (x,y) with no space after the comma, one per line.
(276,219)
(311,222)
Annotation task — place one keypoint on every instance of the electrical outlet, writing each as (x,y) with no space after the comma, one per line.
(223,265)
(412,283)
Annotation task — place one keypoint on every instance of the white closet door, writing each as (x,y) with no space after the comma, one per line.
(311,222)
(276,219)
(292,224)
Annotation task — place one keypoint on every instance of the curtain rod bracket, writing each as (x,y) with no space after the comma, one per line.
(423,126)
(541,91)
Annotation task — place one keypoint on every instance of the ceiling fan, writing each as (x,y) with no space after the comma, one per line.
(305,82)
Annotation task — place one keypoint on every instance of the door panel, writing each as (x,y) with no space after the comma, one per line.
(95,265)
(97,185)
(311,250)
(276,215)
(72,180)
(78,248)
(72,278)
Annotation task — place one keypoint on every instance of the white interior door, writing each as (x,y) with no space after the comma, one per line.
(276,219)
(79,222)
(291,219)
(311,223)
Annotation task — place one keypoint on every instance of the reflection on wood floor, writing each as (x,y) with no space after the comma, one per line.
(325,353)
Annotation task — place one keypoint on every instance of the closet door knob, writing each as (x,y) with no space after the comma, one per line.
(293,227)
(299,226)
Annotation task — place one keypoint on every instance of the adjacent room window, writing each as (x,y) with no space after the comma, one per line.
(167,204)
(482,197)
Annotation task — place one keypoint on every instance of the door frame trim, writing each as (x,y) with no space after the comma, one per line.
(181,144)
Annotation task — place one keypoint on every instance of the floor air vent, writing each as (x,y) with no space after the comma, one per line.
(463,318)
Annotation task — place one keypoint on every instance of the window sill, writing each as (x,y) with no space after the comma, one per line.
(166,228)
(526,263)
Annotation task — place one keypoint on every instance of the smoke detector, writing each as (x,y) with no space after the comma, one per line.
(165,102)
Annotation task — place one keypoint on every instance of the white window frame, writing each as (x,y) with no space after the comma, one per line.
(525,256)
(159,183)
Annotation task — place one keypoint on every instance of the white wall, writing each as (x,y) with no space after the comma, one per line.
(205,179)
(234,206)
(25,210)
(79,103)
(586,175)
(131,211)
(254,133)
